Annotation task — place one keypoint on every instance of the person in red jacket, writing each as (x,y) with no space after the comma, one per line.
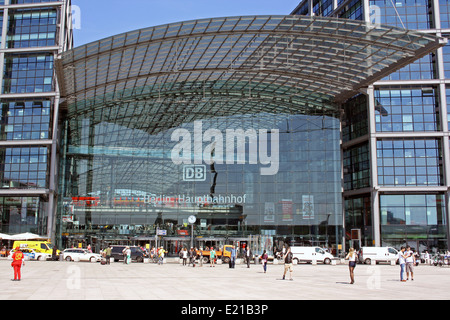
(17,263)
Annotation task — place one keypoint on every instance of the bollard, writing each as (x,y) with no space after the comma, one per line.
(373,262)
(314,262)
(333,262)
(393,263)
(275,261)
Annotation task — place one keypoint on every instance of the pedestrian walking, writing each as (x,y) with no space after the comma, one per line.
(402,262)
(264,257)
(410,261)
(233,257)
(352,256)
(247,256)
(161,253)
(17,264)
(288,263)
(128,255)
(192,256)
(212,257)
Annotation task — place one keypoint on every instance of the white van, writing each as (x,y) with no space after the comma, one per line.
(308,254)
(378,254)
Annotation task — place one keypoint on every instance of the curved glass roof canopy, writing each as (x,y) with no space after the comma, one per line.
(234,65)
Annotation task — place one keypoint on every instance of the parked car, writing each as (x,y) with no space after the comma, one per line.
(31,254)
(80,255)
(308,254)
(378,254)
(137,254)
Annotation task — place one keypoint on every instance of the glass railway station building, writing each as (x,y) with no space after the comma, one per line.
(325,127)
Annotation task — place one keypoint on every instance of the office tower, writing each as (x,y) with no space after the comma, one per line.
(395,137)
(33,34)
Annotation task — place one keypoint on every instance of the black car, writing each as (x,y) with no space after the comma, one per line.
(137,254)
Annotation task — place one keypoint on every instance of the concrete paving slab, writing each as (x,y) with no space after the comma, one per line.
(62,280)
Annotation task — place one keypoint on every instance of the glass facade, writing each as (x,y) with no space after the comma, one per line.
(122,183)
(237,131)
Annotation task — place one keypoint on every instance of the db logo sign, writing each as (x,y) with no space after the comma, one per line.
(194,173)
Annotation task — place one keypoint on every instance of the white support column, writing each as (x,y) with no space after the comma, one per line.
(443,113)
(375,203)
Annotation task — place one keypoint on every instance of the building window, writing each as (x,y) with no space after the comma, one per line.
(357,167)
(23,168)
(358,215)
(446,54)
(322,7)
(409,162)
(29,1)
(25,120)
(354,10)
(28,73)
(32,28)
(444,8)
(23,214)
(355,118)
(415,209)
(415,219)
(406,110)
(422,69)
(408,14)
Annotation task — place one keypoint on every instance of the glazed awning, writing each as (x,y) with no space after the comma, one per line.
(232,65)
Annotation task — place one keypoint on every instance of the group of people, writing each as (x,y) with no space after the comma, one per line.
(406,260)
(192,254)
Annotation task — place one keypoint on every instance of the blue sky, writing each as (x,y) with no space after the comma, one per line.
(104,18)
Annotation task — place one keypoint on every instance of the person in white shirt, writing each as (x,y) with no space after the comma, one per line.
(410,260)
(402,262)
(185,256)
(427,257)
(352,258)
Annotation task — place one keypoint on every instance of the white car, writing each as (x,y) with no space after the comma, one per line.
(31,254)
(80,255)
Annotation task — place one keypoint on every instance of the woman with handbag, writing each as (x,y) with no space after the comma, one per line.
(352,257)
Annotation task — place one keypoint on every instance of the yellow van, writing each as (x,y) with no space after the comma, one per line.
(38,246)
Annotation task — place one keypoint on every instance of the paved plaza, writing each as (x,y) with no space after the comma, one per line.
(92,281)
